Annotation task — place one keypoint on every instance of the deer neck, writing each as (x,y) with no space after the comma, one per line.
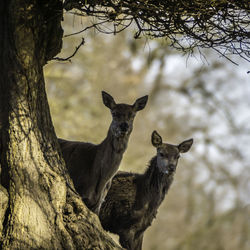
(152,187)
(156,179)
(110,152)
(115,144)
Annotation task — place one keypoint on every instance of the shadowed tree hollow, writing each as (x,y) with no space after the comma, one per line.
(39,206)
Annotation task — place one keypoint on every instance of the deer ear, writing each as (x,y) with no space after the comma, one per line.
(156,139)
(108,100)
(185,146)
(140,103)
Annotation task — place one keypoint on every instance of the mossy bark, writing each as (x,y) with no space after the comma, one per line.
(39,208)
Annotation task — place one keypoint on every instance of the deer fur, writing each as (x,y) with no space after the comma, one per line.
(133,199)
(91,166)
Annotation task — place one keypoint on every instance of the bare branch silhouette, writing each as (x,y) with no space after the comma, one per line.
(221,25)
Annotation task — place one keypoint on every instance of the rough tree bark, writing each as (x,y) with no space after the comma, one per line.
(38,206)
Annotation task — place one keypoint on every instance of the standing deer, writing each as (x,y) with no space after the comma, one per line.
(91,166)
(133,199)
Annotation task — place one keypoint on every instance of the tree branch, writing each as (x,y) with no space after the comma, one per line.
(69,57)
(221,25)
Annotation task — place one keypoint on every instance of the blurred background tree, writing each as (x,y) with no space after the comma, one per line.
(203,97)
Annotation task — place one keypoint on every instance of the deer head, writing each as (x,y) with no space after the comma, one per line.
(167,154)
(123,114)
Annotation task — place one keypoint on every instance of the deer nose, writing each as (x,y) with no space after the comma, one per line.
(172,167)
(124,126)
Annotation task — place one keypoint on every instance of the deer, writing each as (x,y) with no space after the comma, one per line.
(92,166)
(133,199)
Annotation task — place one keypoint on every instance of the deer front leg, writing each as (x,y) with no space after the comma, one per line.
(138,243)
(101,199)
(106,189)
(127,240)
(95,201)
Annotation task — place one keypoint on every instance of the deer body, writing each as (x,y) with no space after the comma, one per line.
(91,166)
(104,160)
(133,199)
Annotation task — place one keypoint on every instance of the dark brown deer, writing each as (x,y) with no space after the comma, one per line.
(133,199)
(91,166)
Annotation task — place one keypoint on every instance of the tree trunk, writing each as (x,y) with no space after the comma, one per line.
(38,205)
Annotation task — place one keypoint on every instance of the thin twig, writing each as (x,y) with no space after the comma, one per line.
(68,58)
(85,29)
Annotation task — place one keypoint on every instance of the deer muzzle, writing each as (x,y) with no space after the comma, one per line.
(124,127)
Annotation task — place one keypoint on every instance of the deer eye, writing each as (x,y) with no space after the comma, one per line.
(161,154)
(131,115)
